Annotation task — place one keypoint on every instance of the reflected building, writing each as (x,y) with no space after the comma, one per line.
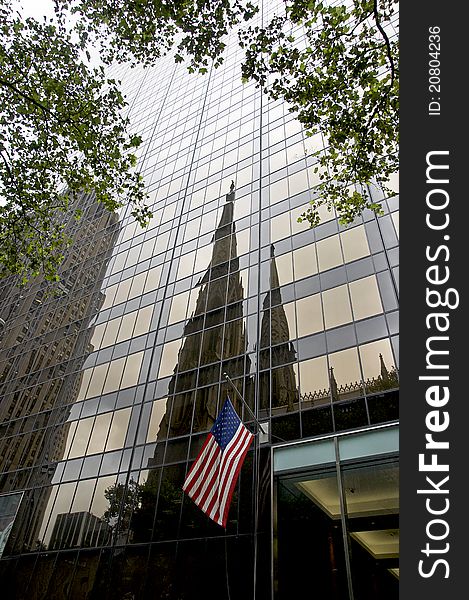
(110,387)
(44,343)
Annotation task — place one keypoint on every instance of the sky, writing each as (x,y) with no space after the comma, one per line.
(36,8)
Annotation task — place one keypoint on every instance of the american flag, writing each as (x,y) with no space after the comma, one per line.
(212,478)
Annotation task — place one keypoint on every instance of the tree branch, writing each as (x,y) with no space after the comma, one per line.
(25,96)
(385,37)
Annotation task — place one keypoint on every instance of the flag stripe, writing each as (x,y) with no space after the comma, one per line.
(204,485)
(231,483)
(202,465)
(211,480)
(230,477)
(215,493)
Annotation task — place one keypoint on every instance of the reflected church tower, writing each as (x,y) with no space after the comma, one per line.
(208,340)
(275,333)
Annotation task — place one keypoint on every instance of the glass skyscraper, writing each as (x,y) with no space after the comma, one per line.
(110,384)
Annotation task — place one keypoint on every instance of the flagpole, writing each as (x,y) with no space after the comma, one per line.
(245,403)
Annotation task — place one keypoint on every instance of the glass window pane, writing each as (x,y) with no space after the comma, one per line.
(279,227)
(132,370)
(97,380)
(86,377)
(80,440)
(99,433)
(122,291)
(309,315)
(242,241)
(314,383)
(346,369)
(169,358)
(294,215)
(355,244)
(278,191)
(110,334)
(374,356)
(83,495)
(305,263)
(365,297)
(142,324)
(395,220)
(178,308)
(110,294)
(186,265)
(118,431)
(153,279)
(158,411)
(114,375)
(138,282)
(289,310)
(337,310)
(127,325)
(329,253)
(298,182)
(284,268)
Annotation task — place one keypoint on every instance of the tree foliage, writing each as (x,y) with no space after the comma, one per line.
(62,133)
(63,130)
(342,79)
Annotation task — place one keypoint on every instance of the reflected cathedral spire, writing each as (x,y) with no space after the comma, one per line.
(207,338)
(275,333)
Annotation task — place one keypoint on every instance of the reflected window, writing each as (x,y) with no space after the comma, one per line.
(297,227)
(83,495)
(98,335)
(110,294)
(393,182)
(114,375)
(110,334)
(289,310)
(123,291)
(137,284)
(132,370)
(337,309)
(142,324)
(242,206)
(202,259)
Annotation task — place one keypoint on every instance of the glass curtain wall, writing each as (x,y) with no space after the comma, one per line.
(108,391)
